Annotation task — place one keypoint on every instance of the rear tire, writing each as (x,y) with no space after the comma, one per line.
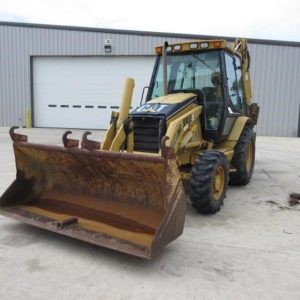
(209,182)
(243,158)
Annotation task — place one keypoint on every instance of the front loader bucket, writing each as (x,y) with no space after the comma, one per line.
(128,202)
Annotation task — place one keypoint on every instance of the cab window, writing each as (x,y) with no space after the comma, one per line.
(234,81)
(194,71)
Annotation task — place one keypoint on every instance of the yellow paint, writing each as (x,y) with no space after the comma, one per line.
(181,112)
(110,133)
(125,102)
(27,118)
(118,140)
(249,155)
(130,142)
(172,98)
(229,154)
(115,135)
(177,128)
(142,239)
(227,146)
(241,49)
(218,182)
(237,128)
(193,145)
(185,175)
(184,158)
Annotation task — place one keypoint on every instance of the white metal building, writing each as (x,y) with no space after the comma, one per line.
(67,80)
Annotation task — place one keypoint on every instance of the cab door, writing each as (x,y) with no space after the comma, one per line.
(233,91)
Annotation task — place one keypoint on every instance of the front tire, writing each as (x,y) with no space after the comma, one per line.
(209,182)
(243,158)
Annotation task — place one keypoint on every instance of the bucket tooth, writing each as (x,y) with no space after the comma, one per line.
(16,137)
(89,144)
(69,143)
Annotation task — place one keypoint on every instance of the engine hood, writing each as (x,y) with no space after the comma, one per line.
(165,105)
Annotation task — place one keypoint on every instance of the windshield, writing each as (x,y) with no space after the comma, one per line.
(194,71)
(188,71)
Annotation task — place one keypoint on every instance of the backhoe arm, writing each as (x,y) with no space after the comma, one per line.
(240,45)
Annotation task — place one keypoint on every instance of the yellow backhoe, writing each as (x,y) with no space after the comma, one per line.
(195,130)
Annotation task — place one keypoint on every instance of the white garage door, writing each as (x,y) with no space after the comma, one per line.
(81,92)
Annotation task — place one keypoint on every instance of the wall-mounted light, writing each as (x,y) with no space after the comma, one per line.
(107,45)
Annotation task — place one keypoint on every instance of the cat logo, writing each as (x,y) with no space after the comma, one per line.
(152,108)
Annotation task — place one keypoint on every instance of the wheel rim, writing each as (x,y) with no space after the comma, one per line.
(249,156)
(218,182)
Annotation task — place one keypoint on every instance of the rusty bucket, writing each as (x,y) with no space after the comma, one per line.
(128,202)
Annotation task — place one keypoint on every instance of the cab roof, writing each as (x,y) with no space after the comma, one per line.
(198,45)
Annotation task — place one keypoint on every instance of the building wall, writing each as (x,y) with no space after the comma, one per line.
(275,73)
(275,68)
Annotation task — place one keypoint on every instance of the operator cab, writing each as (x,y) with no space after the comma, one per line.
(210,70)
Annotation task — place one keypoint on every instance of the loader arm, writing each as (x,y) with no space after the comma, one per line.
(120,128)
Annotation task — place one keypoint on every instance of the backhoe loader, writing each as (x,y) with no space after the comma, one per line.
(194,133)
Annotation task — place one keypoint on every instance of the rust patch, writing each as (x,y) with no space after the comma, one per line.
(66,222)
(69,143)
(17,137)
(166,152)
(89,144)
(114,220)
(121,199)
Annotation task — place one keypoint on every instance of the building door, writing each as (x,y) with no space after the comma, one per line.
(81,92)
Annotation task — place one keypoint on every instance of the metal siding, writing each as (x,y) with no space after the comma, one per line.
(275,70)
(274,73)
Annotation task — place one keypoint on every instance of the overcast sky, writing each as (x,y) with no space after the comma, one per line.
(277,19)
